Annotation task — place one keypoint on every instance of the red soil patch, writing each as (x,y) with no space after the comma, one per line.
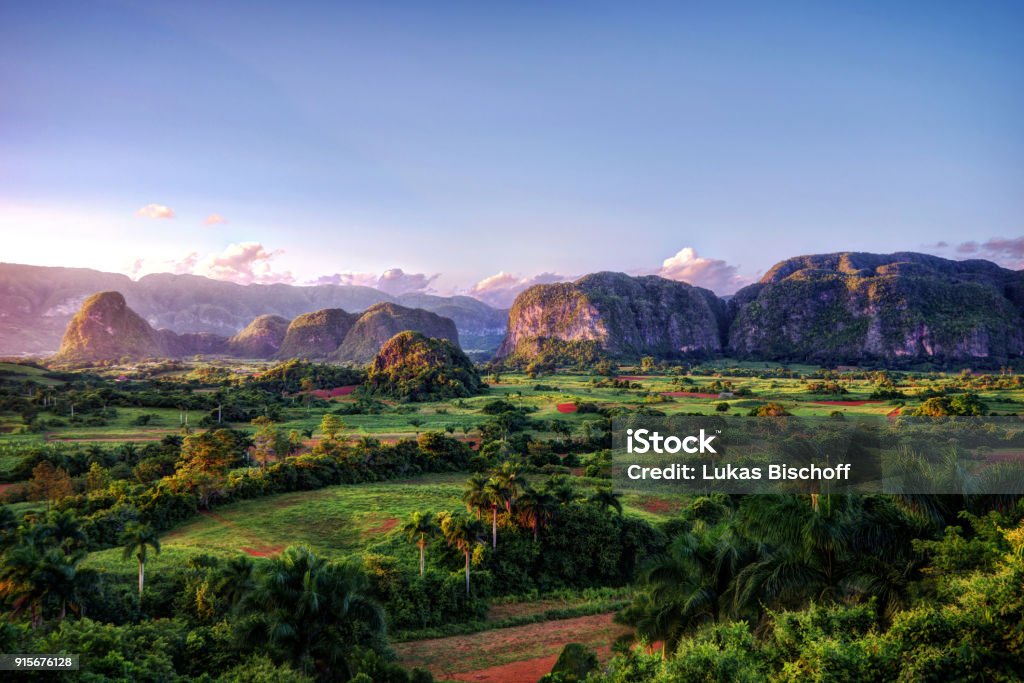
(566,407)
(335,392)
(384,527)
(893,414)
(843,403)
(527,671)
(659,506)
(263,550)
(688,394)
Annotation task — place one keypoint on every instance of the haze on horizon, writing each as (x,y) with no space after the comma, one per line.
(466,148)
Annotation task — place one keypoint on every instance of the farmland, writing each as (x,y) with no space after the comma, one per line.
(340,473)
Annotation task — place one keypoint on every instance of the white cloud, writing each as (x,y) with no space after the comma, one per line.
(244,263)
(215,219)
(714,274)
(501,289)
(394,281)
(155,211)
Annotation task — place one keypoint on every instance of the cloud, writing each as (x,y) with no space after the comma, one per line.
(714,274)
(501,289)
(1006,251)
(394,281)
(215,219)
(244,263)
(155,211)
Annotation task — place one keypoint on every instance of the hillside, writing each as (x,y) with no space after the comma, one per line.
(414,367)
(316,335)
(105,328)
(857,306)
(381,322)
(261,338)
(37,302)
(619,315)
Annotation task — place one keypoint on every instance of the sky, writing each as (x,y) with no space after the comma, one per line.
(481,147)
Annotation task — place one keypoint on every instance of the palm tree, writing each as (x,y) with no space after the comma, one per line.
(605,498)
(496,494)
(19,582)
(561,488)
(64,528)
(236,579)
(62,581)
(473,494)
(313,612)
(535,508)
(463,533)
(137,540)
(508,478)
(420,527)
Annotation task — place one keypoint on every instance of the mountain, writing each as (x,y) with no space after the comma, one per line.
(105,329)
(417,368)
(618,315)
(855,306)
(261,338)
(381,322)
(481,328)
(317,335)
(37,302)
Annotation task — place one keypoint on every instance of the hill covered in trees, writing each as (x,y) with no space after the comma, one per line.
(418,368)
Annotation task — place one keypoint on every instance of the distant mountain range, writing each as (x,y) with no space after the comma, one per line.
(827,308)
(105,328)
(38,302)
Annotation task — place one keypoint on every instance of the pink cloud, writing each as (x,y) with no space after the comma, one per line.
(393,281)
(501,289)
(215,219)
(1006,251)
(244,263)
(155,211)
(714,274)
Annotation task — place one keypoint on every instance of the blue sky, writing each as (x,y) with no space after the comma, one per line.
(466,139)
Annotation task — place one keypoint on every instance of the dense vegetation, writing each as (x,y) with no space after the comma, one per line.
(422,519)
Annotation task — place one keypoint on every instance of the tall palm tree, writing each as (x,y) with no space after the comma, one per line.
(535,509)
(137,539)
(19,584)
(62,581)
(463,533)
(496,494)
(421,527)
(473,494)
(511,483)
(561,488)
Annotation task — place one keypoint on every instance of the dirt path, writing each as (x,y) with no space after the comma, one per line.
(511,655)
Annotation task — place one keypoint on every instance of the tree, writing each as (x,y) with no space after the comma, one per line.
(535,509)
(606,499)
(137,539)
(508,479)
(474,494)
(420,527)
(49,483)
(331,426)
(269,441)
(495,494)
(204,462)
(312,613)
(722,407)
(97,478)
(64,529)
(19,584)
(647,364)
(463,533)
